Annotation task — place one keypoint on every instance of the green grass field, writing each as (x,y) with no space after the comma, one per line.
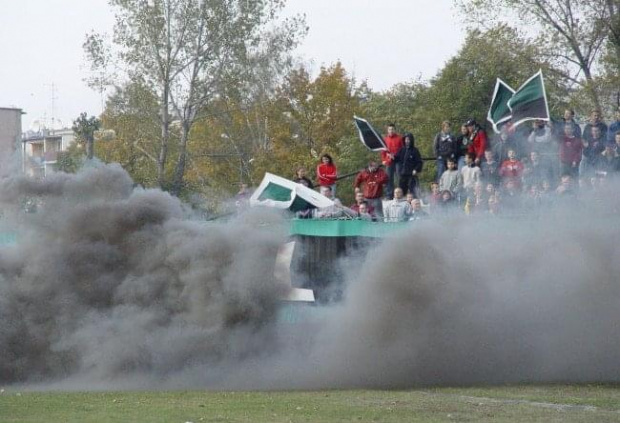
(551,403)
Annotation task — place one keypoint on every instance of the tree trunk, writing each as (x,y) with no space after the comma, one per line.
(179,170)
(591,89)
(90,147)
(165,136)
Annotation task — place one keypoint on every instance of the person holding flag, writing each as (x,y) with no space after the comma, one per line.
(543,140)
(393,142)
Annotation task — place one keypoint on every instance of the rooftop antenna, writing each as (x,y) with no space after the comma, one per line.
(53,100)
(53,105)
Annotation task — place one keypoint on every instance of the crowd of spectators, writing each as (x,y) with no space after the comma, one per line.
(519,170)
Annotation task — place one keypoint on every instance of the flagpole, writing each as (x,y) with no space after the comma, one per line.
(348,175)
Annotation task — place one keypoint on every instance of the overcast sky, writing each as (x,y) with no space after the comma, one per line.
(387,42)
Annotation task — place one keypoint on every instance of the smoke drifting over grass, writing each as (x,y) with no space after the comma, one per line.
(107,282)
(496,301)
(110,287)
(471,301)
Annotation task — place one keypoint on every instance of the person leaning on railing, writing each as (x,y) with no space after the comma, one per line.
(370,182)
(397,209)
(336,210)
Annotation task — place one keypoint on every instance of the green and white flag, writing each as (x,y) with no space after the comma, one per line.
(499,112)
(529,102)
(277,192)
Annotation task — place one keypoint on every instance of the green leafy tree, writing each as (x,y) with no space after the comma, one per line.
(464,86)
(186,51)
(70,160)
(84,128)
(286,126)
(132,112)
(309,117)
(461,89)
(607,15)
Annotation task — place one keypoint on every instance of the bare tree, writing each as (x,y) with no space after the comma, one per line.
(570,29)
(187,52)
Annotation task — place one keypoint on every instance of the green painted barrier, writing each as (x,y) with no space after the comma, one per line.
(345,228)
(298,312)
(8,238)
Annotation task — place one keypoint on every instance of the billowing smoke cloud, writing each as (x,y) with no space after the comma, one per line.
(111,287)
(107,282)
(466,301)
(474,300)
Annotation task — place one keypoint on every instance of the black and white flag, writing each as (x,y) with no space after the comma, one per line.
(369,137)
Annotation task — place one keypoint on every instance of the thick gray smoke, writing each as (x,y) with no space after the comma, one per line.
(111,287)
(467,301)
(478,300)
(108,283)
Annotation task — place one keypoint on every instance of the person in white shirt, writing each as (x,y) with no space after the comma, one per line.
(470,173)
(398,209)
(336,210)
(451,180)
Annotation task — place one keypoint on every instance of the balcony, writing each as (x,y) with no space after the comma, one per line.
(50,156)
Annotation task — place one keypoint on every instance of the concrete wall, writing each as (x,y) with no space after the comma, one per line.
(10,132)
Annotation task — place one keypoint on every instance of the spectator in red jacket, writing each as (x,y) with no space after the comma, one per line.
(373,179)
(394,143)
(478,140)
(511,170)
(326,173)
(571,148)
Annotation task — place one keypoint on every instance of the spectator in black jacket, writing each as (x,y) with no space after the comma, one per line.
(300,177)
(503,142)
(462,146)
(445,147)
(595,120)
(592,150)
(489,169)
(609,164)
(614,127)
(569,118)
(535,171)
(411,164)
